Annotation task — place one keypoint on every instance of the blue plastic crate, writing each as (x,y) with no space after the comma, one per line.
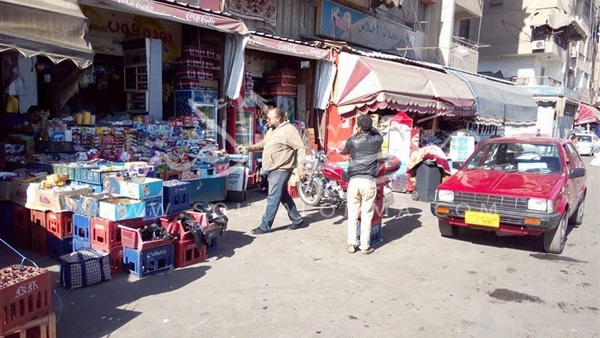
(80,243)
(148,262)
(58,246)
(375,233)
(81,226)
(176,198)
(213,235)
(6,221)
(208,189)
(154,207)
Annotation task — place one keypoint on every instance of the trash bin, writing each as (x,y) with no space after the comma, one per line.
(429,176)
(237,178)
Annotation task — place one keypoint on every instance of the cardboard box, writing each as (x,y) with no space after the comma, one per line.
(52,199)
(85,205)
(154,207)
(18,192)
(112,184)
(121,208)
(141,187)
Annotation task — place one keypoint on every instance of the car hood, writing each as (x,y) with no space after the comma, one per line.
(502,183)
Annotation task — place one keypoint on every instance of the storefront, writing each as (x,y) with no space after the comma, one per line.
(284,73)
(383,88)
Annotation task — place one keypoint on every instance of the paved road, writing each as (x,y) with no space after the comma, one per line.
(303,283)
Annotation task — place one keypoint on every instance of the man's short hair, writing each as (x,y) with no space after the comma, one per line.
(278,111)
(364,122)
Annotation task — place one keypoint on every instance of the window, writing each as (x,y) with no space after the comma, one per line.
(423,12)
(463,28)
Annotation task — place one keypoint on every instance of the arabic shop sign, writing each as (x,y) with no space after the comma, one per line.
(108,30)
(338,22)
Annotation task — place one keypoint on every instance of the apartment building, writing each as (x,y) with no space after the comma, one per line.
(548,46)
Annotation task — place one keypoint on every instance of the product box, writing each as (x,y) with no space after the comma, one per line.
(121,208)
(141,187)
(18,190)
(85,205)
(52,199)
(154,207)
(112,184)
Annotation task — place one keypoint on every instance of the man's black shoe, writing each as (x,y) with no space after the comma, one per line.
(296,226)
(258,231)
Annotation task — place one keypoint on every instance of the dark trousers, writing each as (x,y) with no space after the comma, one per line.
(278,182)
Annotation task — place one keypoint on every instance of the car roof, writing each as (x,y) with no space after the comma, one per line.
(537,140)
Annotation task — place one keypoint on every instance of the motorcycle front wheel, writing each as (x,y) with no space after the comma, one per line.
(311,192)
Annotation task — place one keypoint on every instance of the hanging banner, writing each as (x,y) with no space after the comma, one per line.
(342,23)
(108,30)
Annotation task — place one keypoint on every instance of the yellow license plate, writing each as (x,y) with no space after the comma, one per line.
(482,218)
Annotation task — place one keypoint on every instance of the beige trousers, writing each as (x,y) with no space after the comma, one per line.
(361,202)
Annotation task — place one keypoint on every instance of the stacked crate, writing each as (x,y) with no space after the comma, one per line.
(186,251)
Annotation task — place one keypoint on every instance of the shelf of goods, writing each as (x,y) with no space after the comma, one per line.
(143,77)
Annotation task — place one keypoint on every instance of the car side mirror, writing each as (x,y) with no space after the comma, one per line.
(577,172)
(457,165)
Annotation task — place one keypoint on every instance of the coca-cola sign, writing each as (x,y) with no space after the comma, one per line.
(288,47)
(143,5)
(203,19)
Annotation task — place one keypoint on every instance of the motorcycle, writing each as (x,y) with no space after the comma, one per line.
(327,180)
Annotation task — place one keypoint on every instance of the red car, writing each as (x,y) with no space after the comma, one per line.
(520,186)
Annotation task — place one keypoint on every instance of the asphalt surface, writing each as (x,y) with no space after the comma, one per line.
(303,283)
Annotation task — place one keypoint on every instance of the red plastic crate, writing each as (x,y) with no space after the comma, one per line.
(39,241)
(21,215)
(26,296)
(186,253)
(105,234)
(60,224)
(176,229)
(38,218)
(116,260)
(132,236)
(21,226)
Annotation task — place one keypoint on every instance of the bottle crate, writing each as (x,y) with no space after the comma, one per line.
(187,253)
(42,326)
(176,196)
(6,221)
(105,234)
(60,224)
(81,232)
(58,246)
(21,226)
(39,240)
(132,236)
(37,218)
(148,262)
(24,295)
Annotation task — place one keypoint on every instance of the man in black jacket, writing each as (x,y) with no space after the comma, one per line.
(364,148)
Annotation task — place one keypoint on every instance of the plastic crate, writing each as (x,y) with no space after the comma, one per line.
(213,235)
(25,300)
(38,218)
(80,243)
(81,226)
(105,234)
(375,233)
(6,221)
(176,197)
(43,326)
(60,224)
(148,262)
(132,237)
(21,226)
(116,260)
(59,246)
(39,241)
(177,230)
(186,253)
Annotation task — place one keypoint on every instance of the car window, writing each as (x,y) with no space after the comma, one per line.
(516,157)
(584,138)
(573,156)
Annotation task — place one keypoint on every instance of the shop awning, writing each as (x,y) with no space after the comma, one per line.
(587,114)
(55,29)
(500,104)
(366,84)
(183,13)
(280,45)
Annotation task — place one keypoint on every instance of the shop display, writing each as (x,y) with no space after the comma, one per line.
(143,77)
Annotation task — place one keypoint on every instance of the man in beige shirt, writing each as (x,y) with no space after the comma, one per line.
(283,150)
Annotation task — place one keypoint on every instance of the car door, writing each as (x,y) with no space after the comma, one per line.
(595,144)
(575,186)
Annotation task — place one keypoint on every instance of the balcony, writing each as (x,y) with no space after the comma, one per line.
(468,9)
(536,81)
(463,54)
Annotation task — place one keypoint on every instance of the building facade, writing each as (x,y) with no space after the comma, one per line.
(548,46)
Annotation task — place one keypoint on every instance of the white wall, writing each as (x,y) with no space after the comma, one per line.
(522,66)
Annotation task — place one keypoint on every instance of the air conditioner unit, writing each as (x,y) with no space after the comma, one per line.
(538,45)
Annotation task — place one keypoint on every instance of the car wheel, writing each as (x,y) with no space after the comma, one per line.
(447,229)
(414,195)
(577,217)
(554,240)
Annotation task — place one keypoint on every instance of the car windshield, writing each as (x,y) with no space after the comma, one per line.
(584,138)
(517,157)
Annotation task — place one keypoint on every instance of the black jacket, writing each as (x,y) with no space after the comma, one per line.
(364,149)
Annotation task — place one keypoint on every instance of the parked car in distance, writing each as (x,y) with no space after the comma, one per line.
(587,144)
(519,186)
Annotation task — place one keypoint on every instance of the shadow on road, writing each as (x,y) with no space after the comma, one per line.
(401,223)
(488,238)
(230,241)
